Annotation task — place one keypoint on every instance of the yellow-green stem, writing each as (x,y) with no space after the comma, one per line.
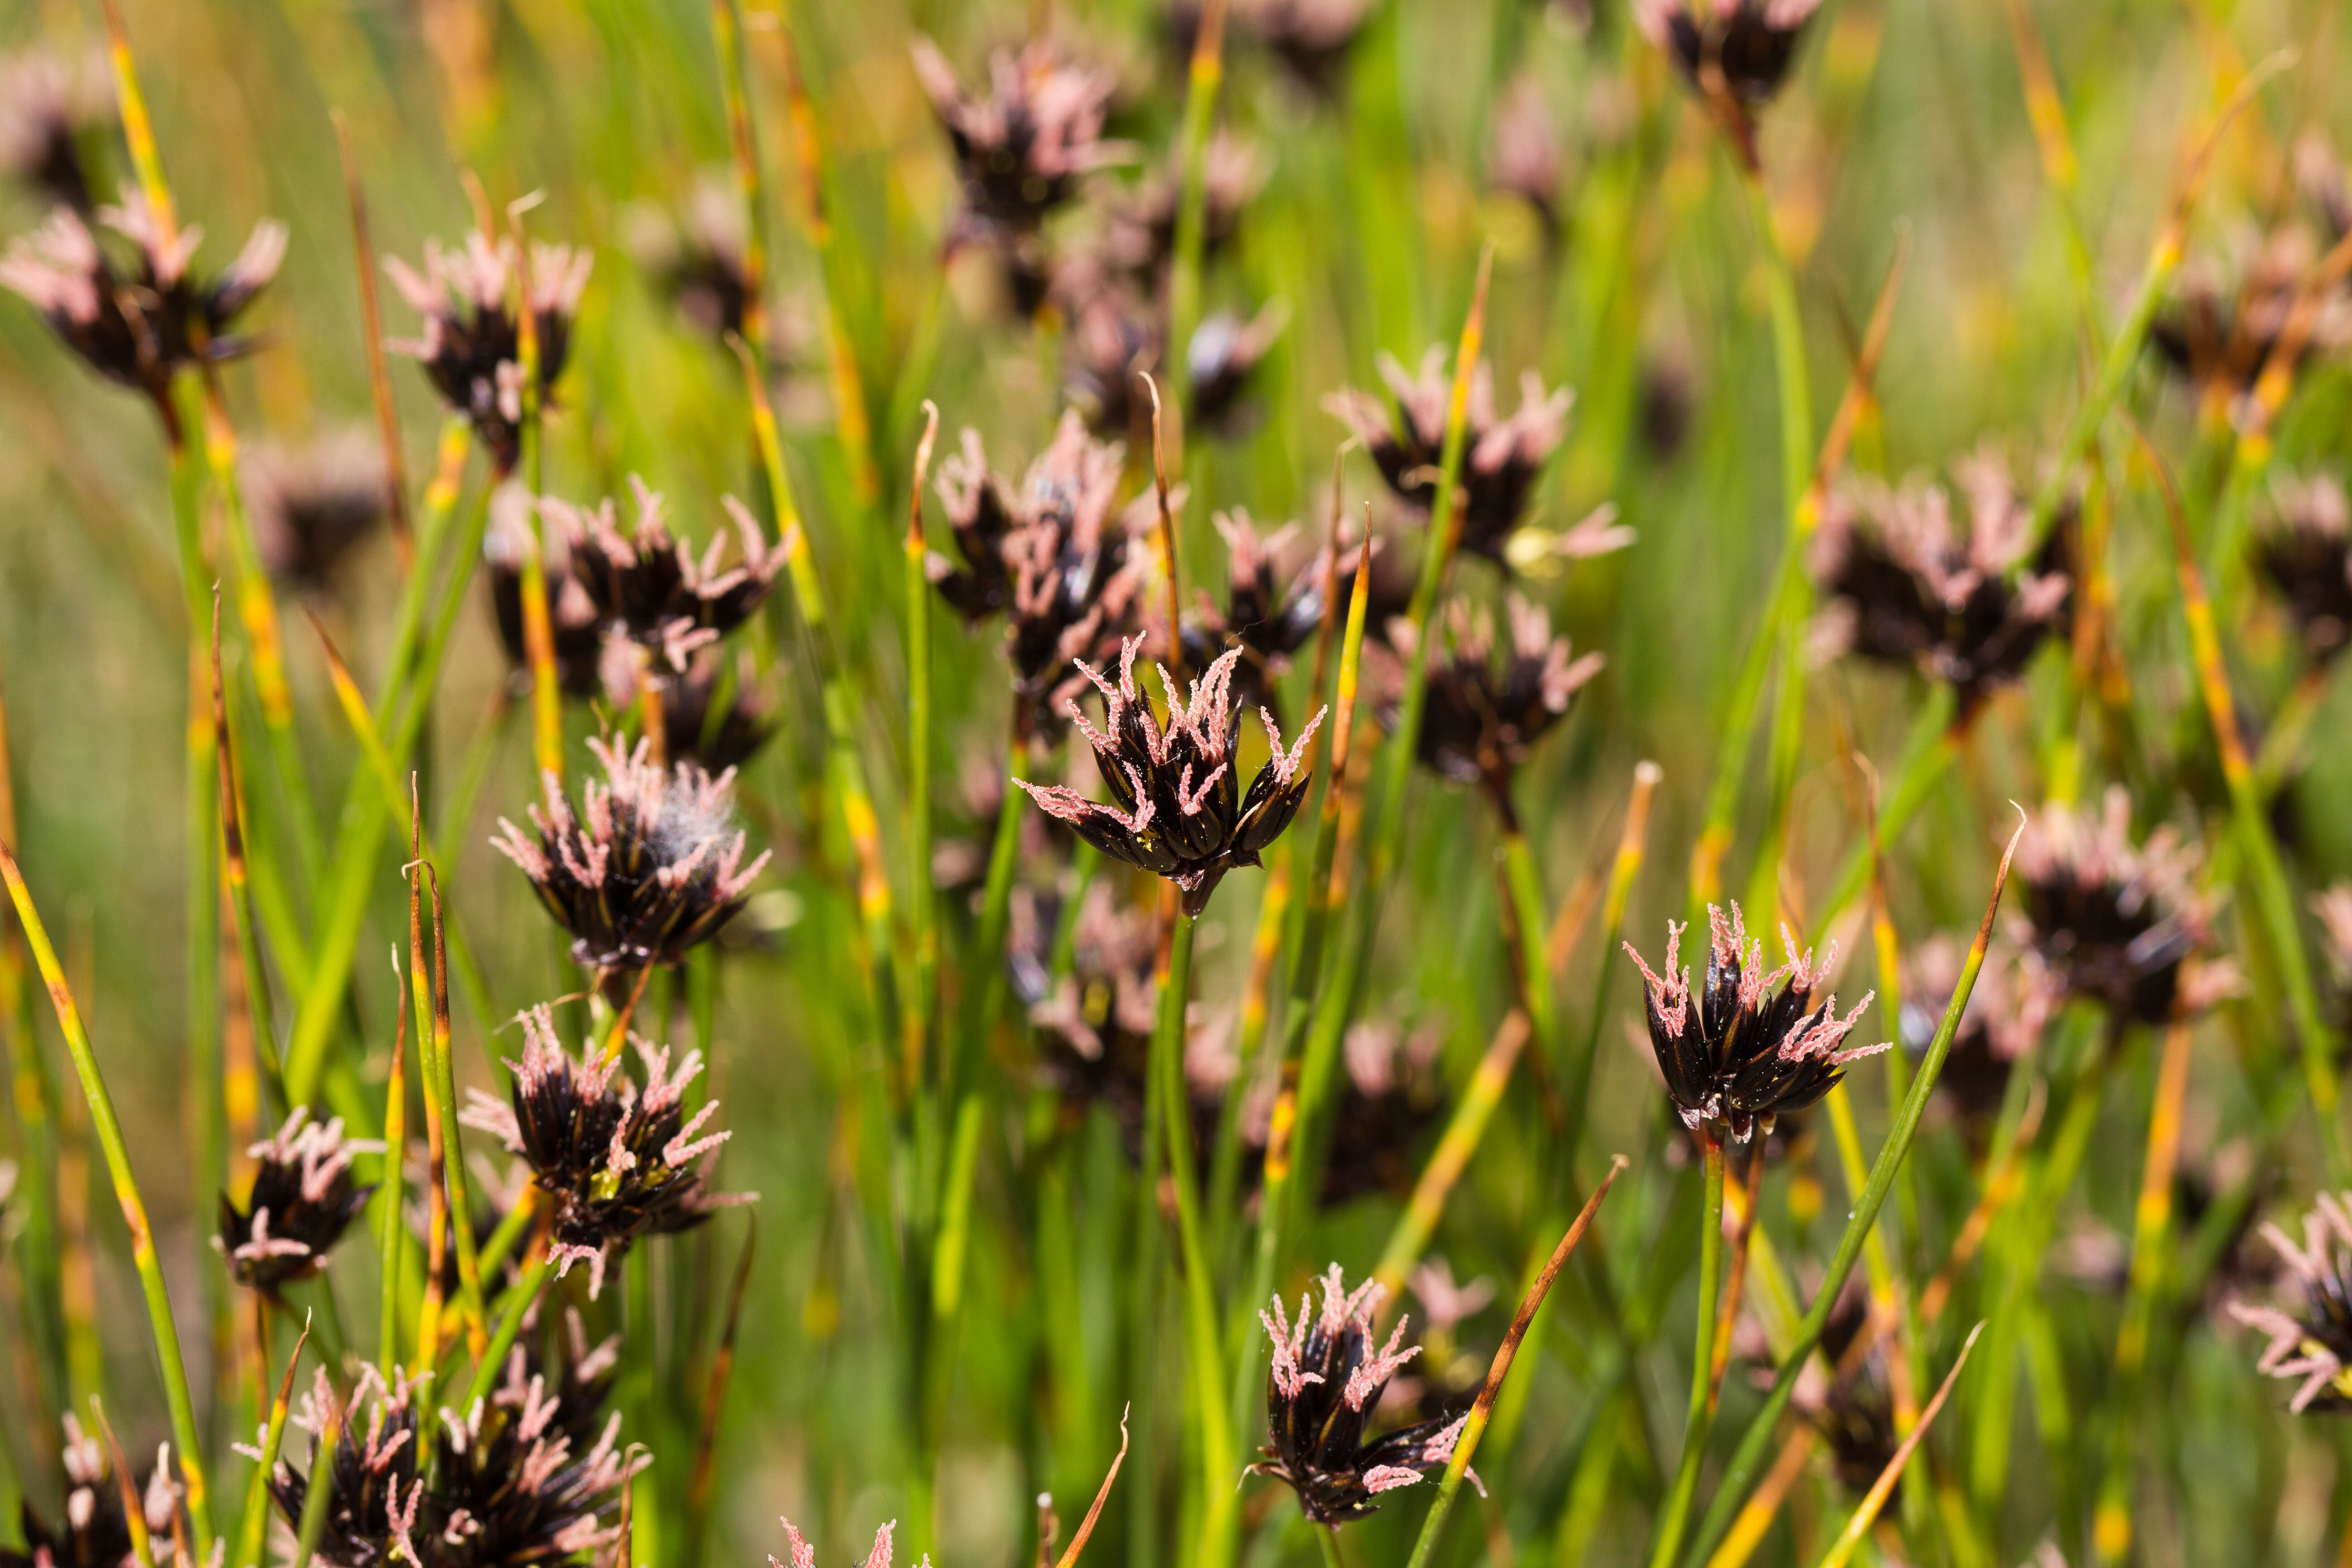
(1673,1518)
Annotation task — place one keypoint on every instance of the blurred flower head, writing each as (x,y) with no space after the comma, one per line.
(1048,554)
(1312,38)
(718,738)
(1321,1392)
(1020,147)
(94,1532)
(1738,1052)
(577,627)
(1113,339)
(697,260)
(1220,361)
(2117,922)
(2302,546)
(1177,805)
(1907,584)
(1482,717)
(302,1201)
(617,1162)
(1500,458)
(1525,155)
(1734,53)
(2311,1349)
(804,1555)
(1139,221)
(48,100)
(311,505)
(652,589)
(649,868)
(2229,309)
(1268,621)
(137,327)
(471,346)
(2003,1019)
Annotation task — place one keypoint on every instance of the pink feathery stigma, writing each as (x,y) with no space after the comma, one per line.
(1189,799)
(803,1554)
(264,1245)
(1289,1378)
(1374,1371)
(565,1254)
(519,848)
(686,1146)
(1669,997)
(1341,1306)
(730,883)
(880,1556)
(1802,974)
(403,1520)
(486,1113)
(1733,947)
(1819,1037)
(1388,1478)
(1287,764)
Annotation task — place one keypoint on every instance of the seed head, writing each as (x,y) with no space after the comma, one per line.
(2229,310)
(311,505)
(1223,355)
(137,326)
(2313,1349)
(578,630)
(1500,459)
(2303,548)
(1268,621)
(651,588)
(1905,586)
(1735,50)
(1740,1053)
(470,343)
(1321,1393)
(1482,717)
(1021,150)
(47,101)
(94,1532)
(302,1201)
(719,739)
(616,1161)
(648,868)
(1176,806)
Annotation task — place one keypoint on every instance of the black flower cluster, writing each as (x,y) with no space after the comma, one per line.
(2229,310)
(506,1484)
(302,1201)
(1321,1392)
(94,1532)
(1740,1053)
(647,870)
(617,1162)
(313,505)
(1177,808)
(1049,555)
(2313,1349)
(576,629)
(1735,49)
(647,586)
(1266,620)
(1482,717)
(1500,458)
(471,343)
(2303,548)
(48,102)
(697,728)
(1906,587)
(138,327)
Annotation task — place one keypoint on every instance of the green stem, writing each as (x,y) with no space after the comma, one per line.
(134,1207)
(1675,1519)
(1527,916)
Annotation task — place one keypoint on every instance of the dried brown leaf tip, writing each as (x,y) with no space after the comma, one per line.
(2116,921)
(1176,806)
(1322,1392)
(1050,554)
(470,344)
(303,1199)
(1500,458)
(649,867)
(1908,582)
(2302,546)
(2311,1349)
(1748,1044)
(1484,714)
(138,323)
(48,101)
(313,504)
(616,1161)
(1021,147)
(651,588)
(526,1475)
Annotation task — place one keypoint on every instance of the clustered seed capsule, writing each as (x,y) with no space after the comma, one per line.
(302,1201)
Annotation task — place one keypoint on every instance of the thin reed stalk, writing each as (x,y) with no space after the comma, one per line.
(254,1528)
(236,886)
(1452,1156)
(1673,1516)
(923,1006)
(127,1197)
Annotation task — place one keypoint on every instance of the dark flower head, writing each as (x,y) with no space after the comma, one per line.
(312,504)
(1524,153)
(1178,808)
(1140,231)
(94,1532)
(2227,311)
(1268,621)
(1114,339)
(650,587)
(1049,555)
(1734,53)
(1225,351)
(137,327)
(572,618)
(303,1199)
(512,1482)
(1482,717)
(1020,150)
(1312,38)
(1321,1392)
(719,740)
(2303,548)
(617,1162)
(2003,1020)
(1906,585)
(47,101)
(2117,923)
(1500,458)
(1740,1053)
(647,869)
(470,347)
(2314,1347)
(697,262)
